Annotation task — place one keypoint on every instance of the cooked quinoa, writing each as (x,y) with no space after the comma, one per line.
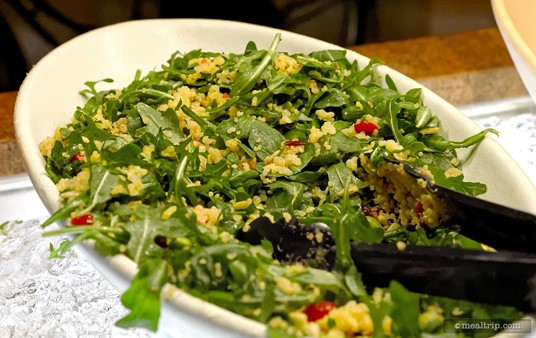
(168,169)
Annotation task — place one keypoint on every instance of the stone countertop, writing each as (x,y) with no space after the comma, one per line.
(462,68)
(10,158)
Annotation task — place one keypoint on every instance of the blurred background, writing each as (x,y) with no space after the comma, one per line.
(31,28)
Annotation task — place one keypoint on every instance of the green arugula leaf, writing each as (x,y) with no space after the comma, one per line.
(294,193)
(437,142)
(339,178)
(143,231)
(322,278)
(264,139)
(91,87)
(354,282)
(405,311)
(63,212)
(333,98)
(273,332)
(155,120)
(333,55)
(439,164)
(64,247)
(143,296)
(360,229)
(102,182)
(306,157)
(247,80)
(118,150)
(339,146)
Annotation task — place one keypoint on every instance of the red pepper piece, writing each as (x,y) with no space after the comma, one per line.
(371,211)
(318,310)
(419,209)
(365,126)
(292,143)
(86,219)
(77,157)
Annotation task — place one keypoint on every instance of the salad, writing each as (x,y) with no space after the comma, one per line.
(169,169)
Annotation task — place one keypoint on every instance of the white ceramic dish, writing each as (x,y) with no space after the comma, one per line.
(516,21)
(50,94)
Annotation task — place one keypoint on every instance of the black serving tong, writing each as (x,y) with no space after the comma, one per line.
(506,277)
(495,225)
(500,278)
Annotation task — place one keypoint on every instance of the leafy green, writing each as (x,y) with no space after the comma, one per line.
(155,121)
(438,165)
(440,143)
(339,178)
(102,183)
(291,195)
(333,98)
(143,296)
(405,310)
(265,139)
(3,227)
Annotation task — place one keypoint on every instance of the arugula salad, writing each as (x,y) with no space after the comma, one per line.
(168,169)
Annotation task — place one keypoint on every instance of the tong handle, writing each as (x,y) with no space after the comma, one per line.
(500,278)
(495,225)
